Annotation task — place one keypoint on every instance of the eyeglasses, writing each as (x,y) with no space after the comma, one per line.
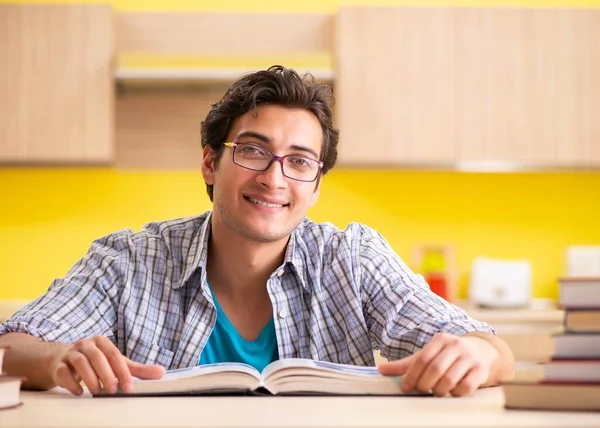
(257,158)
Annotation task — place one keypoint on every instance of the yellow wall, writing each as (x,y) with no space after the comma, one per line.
(48,217)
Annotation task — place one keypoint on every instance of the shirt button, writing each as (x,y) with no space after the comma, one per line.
(280,272)
(283,313)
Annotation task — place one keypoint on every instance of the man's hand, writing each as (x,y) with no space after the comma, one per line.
(450,364)
(98,363)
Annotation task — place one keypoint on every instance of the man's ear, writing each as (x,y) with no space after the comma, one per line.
(208,165)
(315,196)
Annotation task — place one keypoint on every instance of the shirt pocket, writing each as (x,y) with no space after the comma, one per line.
(149,353)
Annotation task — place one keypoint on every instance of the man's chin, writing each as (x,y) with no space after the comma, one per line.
(265,235)
(267,238)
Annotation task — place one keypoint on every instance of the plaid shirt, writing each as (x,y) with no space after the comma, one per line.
(338,295)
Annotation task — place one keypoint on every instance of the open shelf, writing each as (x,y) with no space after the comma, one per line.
(135,76)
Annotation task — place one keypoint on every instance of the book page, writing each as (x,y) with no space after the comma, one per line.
(322,377)
(209,377)
(297,364)
(207,369)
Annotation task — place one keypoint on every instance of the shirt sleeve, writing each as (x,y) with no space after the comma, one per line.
(84,302)
(401,311)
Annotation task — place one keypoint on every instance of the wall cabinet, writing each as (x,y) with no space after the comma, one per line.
(451,85)
(414,86)
(56,84)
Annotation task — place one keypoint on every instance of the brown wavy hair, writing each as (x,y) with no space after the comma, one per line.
(277,85)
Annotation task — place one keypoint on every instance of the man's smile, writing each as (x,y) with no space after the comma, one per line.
(267,202)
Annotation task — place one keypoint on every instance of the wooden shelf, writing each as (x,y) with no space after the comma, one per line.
(135,76)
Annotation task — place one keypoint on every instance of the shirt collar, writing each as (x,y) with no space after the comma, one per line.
(294,255)
(198,253)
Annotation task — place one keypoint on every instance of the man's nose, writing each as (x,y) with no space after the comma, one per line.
(273,177)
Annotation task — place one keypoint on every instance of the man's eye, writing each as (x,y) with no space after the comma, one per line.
(299,161)
(252,151)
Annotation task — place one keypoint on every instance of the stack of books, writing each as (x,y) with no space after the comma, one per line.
(10,387)
(571,379)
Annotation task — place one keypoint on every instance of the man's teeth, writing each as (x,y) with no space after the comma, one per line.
(256,201)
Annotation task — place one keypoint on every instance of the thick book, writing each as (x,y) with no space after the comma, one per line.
(10,391)
(292,376)
(582,321)
(10,387)
(576,345)
(546,395)
(572,371)
(579,292)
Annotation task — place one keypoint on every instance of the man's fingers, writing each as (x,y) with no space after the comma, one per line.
(145,371)
(476,376)
(115,368)
(423,357)
(64,377)
(437,368)
(396,368)
(453,376)
(81,365)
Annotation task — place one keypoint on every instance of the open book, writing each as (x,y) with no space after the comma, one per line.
(288,376)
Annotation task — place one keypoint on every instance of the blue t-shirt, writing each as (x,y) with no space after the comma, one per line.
(226,345)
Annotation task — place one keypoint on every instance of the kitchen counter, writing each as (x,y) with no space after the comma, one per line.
(527,331)
(539,312)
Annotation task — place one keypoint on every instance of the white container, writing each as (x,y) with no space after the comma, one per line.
(498,283)
(583,260)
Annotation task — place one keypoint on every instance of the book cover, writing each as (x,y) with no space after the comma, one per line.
(10,391)
(10,387)
(579,292)
(545,395)
(575,346)
(573,370)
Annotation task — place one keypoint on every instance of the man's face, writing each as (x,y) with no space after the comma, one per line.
(240,196)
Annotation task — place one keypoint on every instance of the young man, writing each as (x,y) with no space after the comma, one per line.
(253,280)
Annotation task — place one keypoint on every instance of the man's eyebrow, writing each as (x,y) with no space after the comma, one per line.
(252,134)
(263,138)
(304,149)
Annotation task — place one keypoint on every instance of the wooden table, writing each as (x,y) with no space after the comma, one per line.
(485,408)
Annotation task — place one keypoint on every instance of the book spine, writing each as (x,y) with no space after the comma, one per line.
(570,323)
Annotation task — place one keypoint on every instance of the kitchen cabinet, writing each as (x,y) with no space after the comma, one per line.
(451,86)
(56,84)
(172,66)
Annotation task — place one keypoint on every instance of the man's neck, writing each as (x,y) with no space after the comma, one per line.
(239,267)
